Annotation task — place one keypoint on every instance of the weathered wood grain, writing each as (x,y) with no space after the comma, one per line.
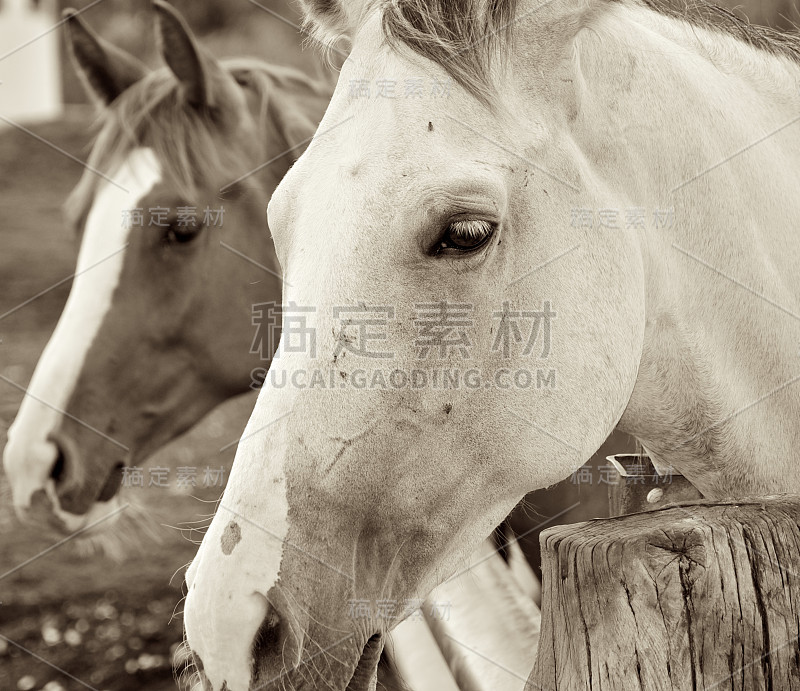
(700,595)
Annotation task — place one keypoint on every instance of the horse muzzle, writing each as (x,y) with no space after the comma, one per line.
(49,494)
(364,678)
(242,640)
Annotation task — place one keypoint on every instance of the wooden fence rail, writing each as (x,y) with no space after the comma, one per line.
(699,595)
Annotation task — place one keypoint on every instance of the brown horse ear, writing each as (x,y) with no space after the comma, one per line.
(297,113)
(296,127)
(105,70)
(194,70)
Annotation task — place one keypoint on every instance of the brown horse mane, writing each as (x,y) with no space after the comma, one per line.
(465,36)
(189,143)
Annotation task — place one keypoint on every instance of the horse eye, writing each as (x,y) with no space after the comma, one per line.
(180,233)
(466,236)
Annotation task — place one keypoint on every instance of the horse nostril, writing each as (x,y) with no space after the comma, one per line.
(269,635)
(78,486)
(58,469)
(277,640)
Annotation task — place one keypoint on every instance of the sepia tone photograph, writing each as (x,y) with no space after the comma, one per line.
(401,345)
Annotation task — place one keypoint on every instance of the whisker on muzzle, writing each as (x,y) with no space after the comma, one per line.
(187,669)
(132,532)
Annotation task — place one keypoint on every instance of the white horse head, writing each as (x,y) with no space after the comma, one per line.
(438,232)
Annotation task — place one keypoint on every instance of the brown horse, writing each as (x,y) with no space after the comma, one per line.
(174,253)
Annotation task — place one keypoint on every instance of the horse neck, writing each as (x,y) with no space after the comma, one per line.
(676,117)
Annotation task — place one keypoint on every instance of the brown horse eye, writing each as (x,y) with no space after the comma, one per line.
(180,234)
(466,236)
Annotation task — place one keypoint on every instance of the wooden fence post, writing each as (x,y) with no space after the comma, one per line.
(700,595)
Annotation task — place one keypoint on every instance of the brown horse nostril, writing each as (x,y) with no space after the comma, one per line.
(57,472)
(78,484)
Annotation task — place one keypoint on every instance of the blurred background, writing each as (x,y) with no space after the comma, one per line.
(70,620)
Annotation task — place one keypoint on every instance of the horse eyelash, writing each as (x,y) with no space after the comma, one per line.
(471,229)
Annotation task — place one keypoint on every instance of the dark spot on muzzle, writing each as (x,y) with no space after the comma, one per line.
(231,537)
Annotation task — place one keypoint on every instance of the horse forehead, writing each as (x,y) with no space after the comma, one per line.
(393,111)
(371,140)
(136,174)
(139,172)
(409,152)
(107,226)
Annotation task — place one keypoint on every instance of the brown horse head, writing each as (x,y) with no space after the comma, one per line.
(174,253)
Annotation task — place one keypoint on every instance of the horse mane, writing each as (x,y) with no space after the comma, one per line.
(709,16)
(464,37)
(187,141)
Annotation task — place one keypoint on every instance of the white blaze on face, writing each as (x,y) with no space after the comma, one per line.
(240,557)
(28,456)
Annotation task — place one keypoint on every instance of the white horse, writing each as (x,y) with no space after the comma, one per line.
(621,175)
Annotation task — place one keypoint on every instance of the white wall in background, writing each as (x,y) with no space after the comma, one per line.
(30,88)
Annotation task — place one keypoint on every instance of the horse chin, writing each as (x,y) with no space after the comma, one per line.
(365,677)
(46,513)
